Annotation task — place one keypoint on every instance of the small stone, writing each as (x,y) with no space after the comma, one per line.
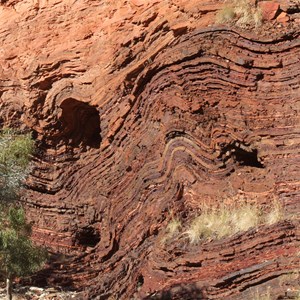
(180,28)
(36,289)
(283,18)
(269,9)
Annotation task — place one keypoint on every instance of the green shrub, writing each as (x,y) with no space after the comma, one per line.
(18,255)
(15,149)
(15,152)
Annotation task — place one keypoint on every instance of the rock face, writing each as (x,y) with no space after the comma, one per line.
(146,110)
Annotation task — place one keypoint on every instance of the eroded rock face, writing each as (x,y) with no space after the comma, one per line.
(146,110)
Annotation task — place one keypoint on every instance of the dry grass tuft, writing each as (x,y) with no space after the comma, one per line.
(245,217)
(275,214)
(172,228)
(240,12)
(210,224)
(227,220)
(265,296)
(225,15)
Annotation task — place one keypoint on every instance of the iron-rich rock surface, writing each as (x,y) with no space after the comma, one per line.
(142,111)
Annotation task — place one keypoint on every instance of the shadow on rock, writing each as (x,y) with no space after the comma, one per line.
(178,292)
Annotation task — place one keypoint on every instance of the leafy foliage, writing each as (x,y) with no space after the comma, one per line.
(18,255)
(15,151)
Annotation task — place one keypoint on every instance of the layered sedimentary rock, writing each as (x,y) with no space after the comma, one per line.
(146,110)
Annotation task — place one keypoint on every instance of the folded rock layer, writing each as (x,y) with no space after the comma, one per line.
(144,111)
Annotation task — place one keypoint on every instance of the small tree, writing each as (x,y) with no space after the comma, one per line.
(15,152)
(18,255)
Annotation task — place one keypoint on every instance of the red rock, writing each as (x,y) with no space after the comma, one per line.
(269,9)
(283,18)
(180,28)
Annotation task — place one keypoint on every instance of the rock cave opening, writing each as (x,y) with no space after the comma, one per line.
(243,155)
(247,158)
(80,123)
(87,237)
